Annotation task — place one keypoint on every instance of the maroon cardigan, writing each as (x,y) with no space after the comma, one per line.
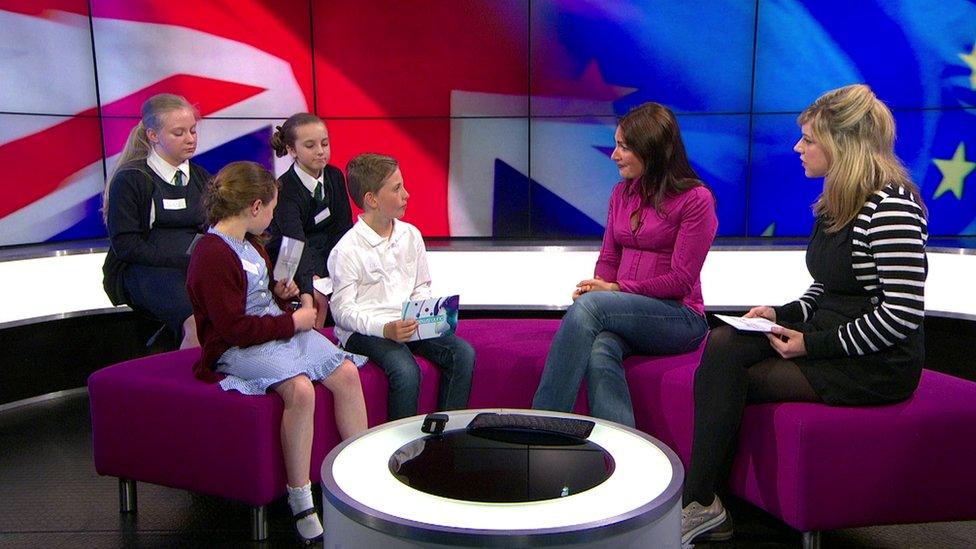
(218,291)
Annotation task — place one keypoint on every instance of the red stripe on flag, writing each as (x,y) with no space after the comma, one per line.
(208,95)
(45,8)
(38,164)
(279,28)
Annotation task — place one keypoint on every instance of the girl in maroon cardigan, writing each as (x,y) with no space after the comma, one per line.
(247,335)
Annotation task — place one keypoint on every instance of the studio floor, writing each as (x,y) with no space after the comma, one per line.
(51,496)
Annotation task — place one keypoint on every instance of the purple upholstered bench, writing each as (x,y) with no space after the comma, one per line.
(828,468)
(815,467)
(818,467)
(152,421)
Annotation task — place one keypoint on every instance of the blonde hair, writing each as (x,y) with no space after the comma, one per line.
(366,172)
(235,187)
(286,134)
(137,146)
(857,133)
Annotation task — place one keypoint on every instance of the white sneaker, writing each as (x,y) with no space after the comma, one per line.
(700,523)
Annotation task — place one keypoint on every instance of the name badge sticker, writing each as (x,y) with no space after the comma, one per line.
(250,267)
(174,203)
(322,216)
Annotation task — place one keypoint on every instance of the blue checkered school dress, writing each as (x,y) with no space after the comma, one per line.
(252,370)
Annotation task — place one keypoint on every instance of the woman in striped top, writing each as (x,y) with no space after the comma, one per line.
(855,337)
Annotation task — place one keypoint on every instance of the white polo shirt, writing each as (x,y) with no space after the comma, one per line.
(372,277)
(308,181)
(167,172)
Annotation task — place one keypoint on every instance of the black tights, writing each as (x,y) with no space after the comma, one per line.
(737,368)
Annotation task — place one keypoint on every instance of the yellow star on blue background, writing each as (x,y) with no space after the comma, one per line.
(954,171)
(970,60)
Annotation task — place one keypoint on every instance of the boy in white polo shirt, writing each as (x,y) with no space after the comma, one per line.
(380,263)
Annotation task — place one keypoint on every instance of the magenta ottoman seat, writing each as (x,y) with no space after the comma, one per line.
(822,468)
(814,466)
(661,390)
(153,421)
(818,467)
(510,357)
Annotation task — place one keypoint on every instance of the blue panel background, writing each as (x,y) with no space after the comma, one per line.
(907,51)
(779,194)
(718,147)
(737,72)
(941,134)
(694,57)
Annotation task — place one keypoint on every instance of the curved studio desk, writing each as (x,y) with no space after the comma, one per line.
(46,288)
(41,283)
(365,505)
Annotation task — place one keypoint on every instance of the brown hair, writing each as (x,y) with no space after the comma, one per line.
(286,134)
(366,172)
(235,187)
(137,145)
(857,133)
(651,131)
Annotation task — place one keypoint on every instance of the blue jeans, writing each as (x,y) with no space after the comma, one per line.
(597,333)
(451,354)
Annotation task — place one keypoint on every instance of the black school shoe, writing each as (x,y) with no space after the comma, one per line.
(301,538)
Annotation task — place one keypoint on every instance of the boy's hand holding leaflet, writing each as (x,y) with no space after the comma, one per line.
(436,316)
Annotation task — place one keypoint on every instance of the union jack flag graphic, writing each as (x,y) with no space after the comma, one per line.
(73,82)
(501,112)
(58,158)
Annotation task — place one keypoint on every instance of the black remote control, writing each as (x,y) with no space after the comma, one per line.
(578,428)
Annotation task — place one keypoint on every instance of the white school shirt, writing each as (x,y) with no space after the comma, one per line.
(308,181)
(167,172)
(372,277)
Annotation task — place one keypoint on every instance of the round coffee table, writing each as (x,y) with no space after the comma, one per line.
(367,505)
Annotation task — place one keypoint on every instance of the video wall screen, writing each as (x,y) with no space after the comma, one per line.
(501,112)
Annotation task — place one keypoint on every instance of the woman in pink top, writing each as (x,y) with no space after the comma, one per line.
(645,296)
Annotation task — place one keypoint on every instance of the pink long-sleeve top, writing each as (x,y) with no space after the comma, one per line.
(663,257)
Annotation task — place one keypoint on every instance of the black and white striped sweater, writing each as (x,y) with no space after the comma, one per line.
(888,257)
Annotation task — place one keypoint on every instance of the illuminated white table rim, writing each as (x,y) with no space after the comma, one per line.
(365,505)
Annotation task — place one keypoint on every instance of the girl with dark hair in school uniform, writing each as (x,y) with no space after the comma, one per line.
(152,209)
(313,205)
(248,336)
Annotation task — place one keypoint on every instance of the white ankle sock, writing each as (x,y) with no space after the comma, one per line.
(300,499)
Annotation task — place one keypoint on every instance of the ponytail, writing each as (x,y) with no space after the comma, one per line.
(278,144)
(137,146)
(857,133)
(286,134)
